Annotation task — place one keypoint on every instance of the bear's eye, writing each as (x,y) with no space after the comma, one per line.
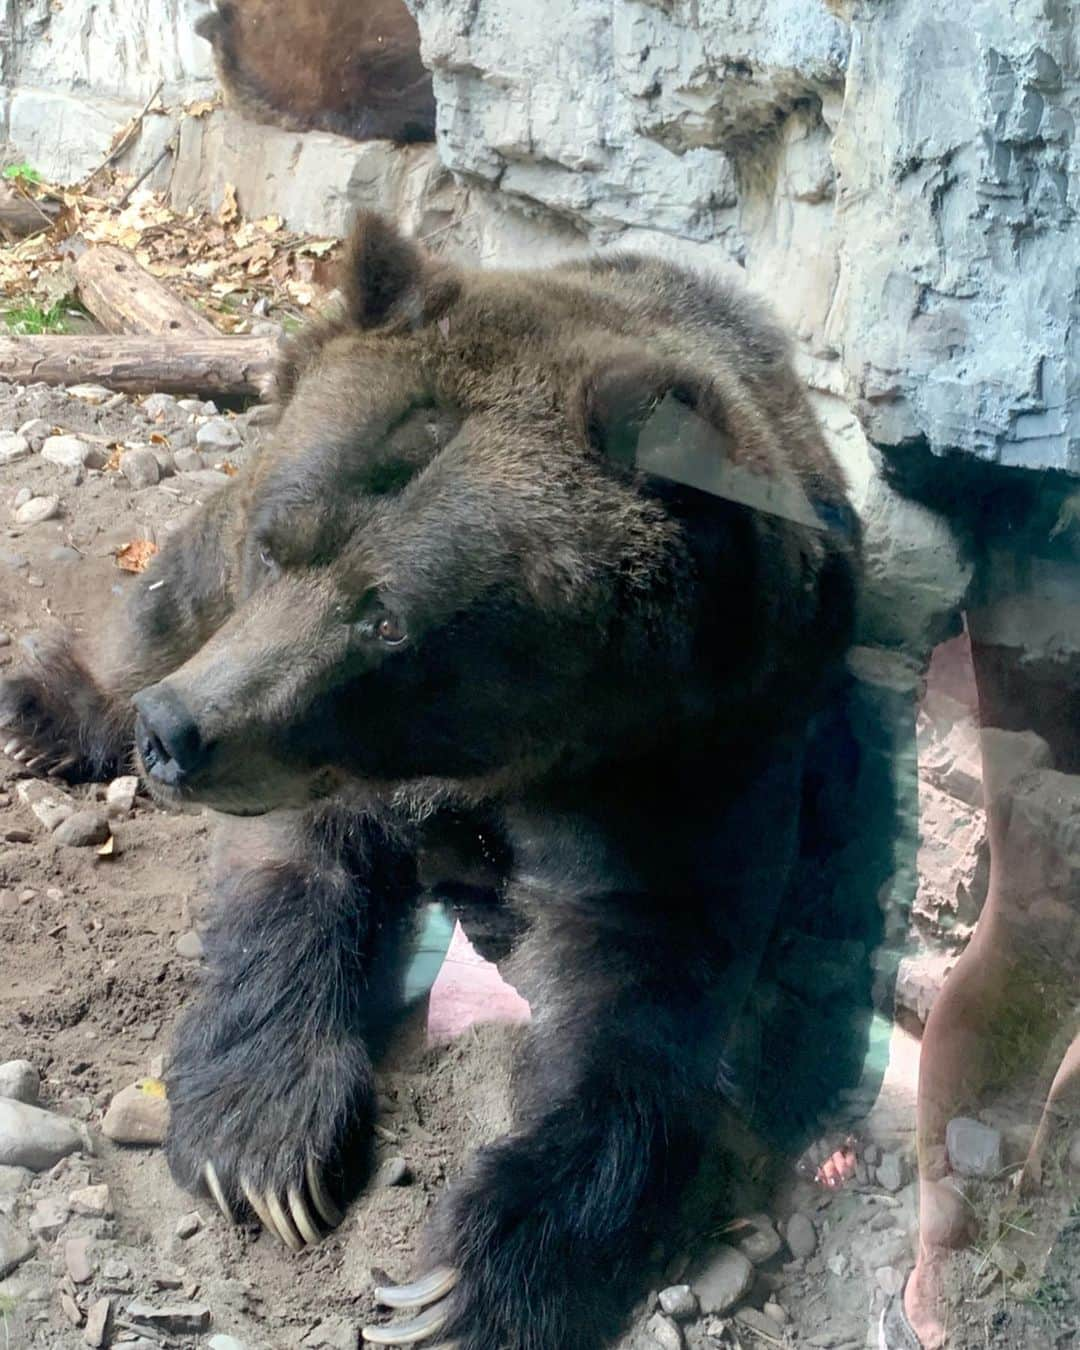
(390,630)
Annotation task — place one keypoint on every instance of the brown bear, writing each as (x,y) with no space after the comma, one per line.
(556,558)
(348,66)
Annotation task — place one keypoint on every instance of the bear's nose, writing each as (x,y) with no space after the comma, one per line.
(167,736)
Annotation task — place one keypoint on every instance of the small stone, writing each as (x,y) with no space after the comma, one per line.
(19,1081)
(21,498)
(220,1342)
(198,406)
(974,1149)
(5,639)
(679,1301)
(90,393)
(35,431)
(51,805)
(189,946)
(392,1171)
(14,1248)
(84,829)
(93,1201)
(37,582)
(136,1117)
(775,1312)
(158,407)
(838,1265)
(13,448)
(140,467)
(13,1182)
(217,436)
(758,1240)
(188,1224)
(30,1137)
(120,795)
(725,1279)
(801,1236)
(164,457)
(17,836)
(37,510)
(889,1279)
(180,1318)
(116,1270)
(188,461)
(891,1172)
(756,1321)
(206,478)
(71,1310)
(69,452)
(77,1260)
(48,1217)
(665,1332)
(97,1323)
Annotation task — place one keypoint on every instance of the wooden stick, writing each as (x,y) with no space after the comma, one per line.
(21,214)
(126,135)
(143,365)
(125,298)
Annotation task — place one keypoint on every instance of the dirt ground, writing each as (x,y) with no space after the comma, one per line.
(92,981)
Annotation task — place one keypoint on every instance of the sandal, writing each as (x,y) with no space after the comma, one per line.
(895,1332)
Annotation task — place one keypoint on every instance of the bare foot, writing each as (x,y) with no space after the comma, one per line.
(924,1299)
(831,1164)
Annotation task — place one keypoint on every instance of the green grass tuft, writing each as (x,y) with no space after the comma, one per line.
(31,320)
(22,174)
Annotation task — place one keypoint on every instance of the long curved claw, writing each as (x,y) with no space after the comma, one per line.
(309,1230)
(283,1224)
(255,1201)
(12,746)
(213,1185)
(430,1322)
(36,762)
(328,1211)
(427,1289)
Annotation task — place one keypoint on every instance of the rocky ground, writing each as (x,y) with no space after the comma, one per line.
(100,948)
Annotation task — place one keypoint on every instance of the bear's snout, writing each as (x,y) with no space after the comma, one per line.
(167,736)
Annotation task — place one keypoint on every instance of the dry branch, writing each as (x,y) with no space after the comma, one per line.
(142,365)
(125,298)
(21,215)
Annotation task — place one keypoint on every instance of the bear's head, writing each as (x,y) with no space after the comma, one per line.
(445,573)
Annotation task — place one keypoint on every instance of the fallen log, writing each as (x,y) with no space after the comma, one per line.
(123,296)
(143,365)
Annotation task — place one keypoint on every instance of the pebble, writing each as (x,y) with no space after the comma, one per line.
(217,436)
(756,1321)
(37,510)
(37,582)
(891,1172)
(775,1312)
(15,1248)
(164,457)
(188,1224)
(188,461)
(21,498)
(84,829)
(96,1331)
(120,795)
(760,1241)
(13,447)
(72,453)
(71,1310)
(77,1260)
(5,639)
(140,467)
(31,1137)
(181,1318)
(665,1332)
(93,1201)
(724,1280)
(679,1301)
(35,431)
(160,406)
(90,393)
(116,1270)
(13,1181)
(189,946)
(136,1117)
(51,805)
(48,1217)
(17,836)
(974,1149)
(19,1081)
(801,1236)
(220,1342)
(392,1171)
(203,408)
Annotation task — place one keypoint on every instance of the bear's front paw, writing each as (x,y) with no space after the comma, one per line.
(272,1129)
(31,733)
(517,1258)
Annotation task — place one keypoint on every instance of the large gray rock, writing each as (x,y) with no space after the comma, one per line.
(30,1137)
(723,1281)
(15,1248)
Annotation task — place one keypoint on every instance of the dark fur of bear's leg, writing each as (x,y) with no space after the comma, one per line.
(270,1080)
(67,710)
(550,1232)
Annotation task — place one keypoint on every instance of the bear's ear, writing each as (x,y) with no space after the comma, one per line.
(622,395)
(386,277)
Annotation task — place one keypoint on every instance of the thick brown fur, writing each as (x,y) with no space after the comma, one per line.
(447,594)
(347,66)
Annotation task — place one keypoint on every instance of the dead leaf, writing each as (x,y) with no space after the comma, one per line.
(228,212)
(136,556)
(227,466)
(151,1087)
(200,107)
(108,848)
